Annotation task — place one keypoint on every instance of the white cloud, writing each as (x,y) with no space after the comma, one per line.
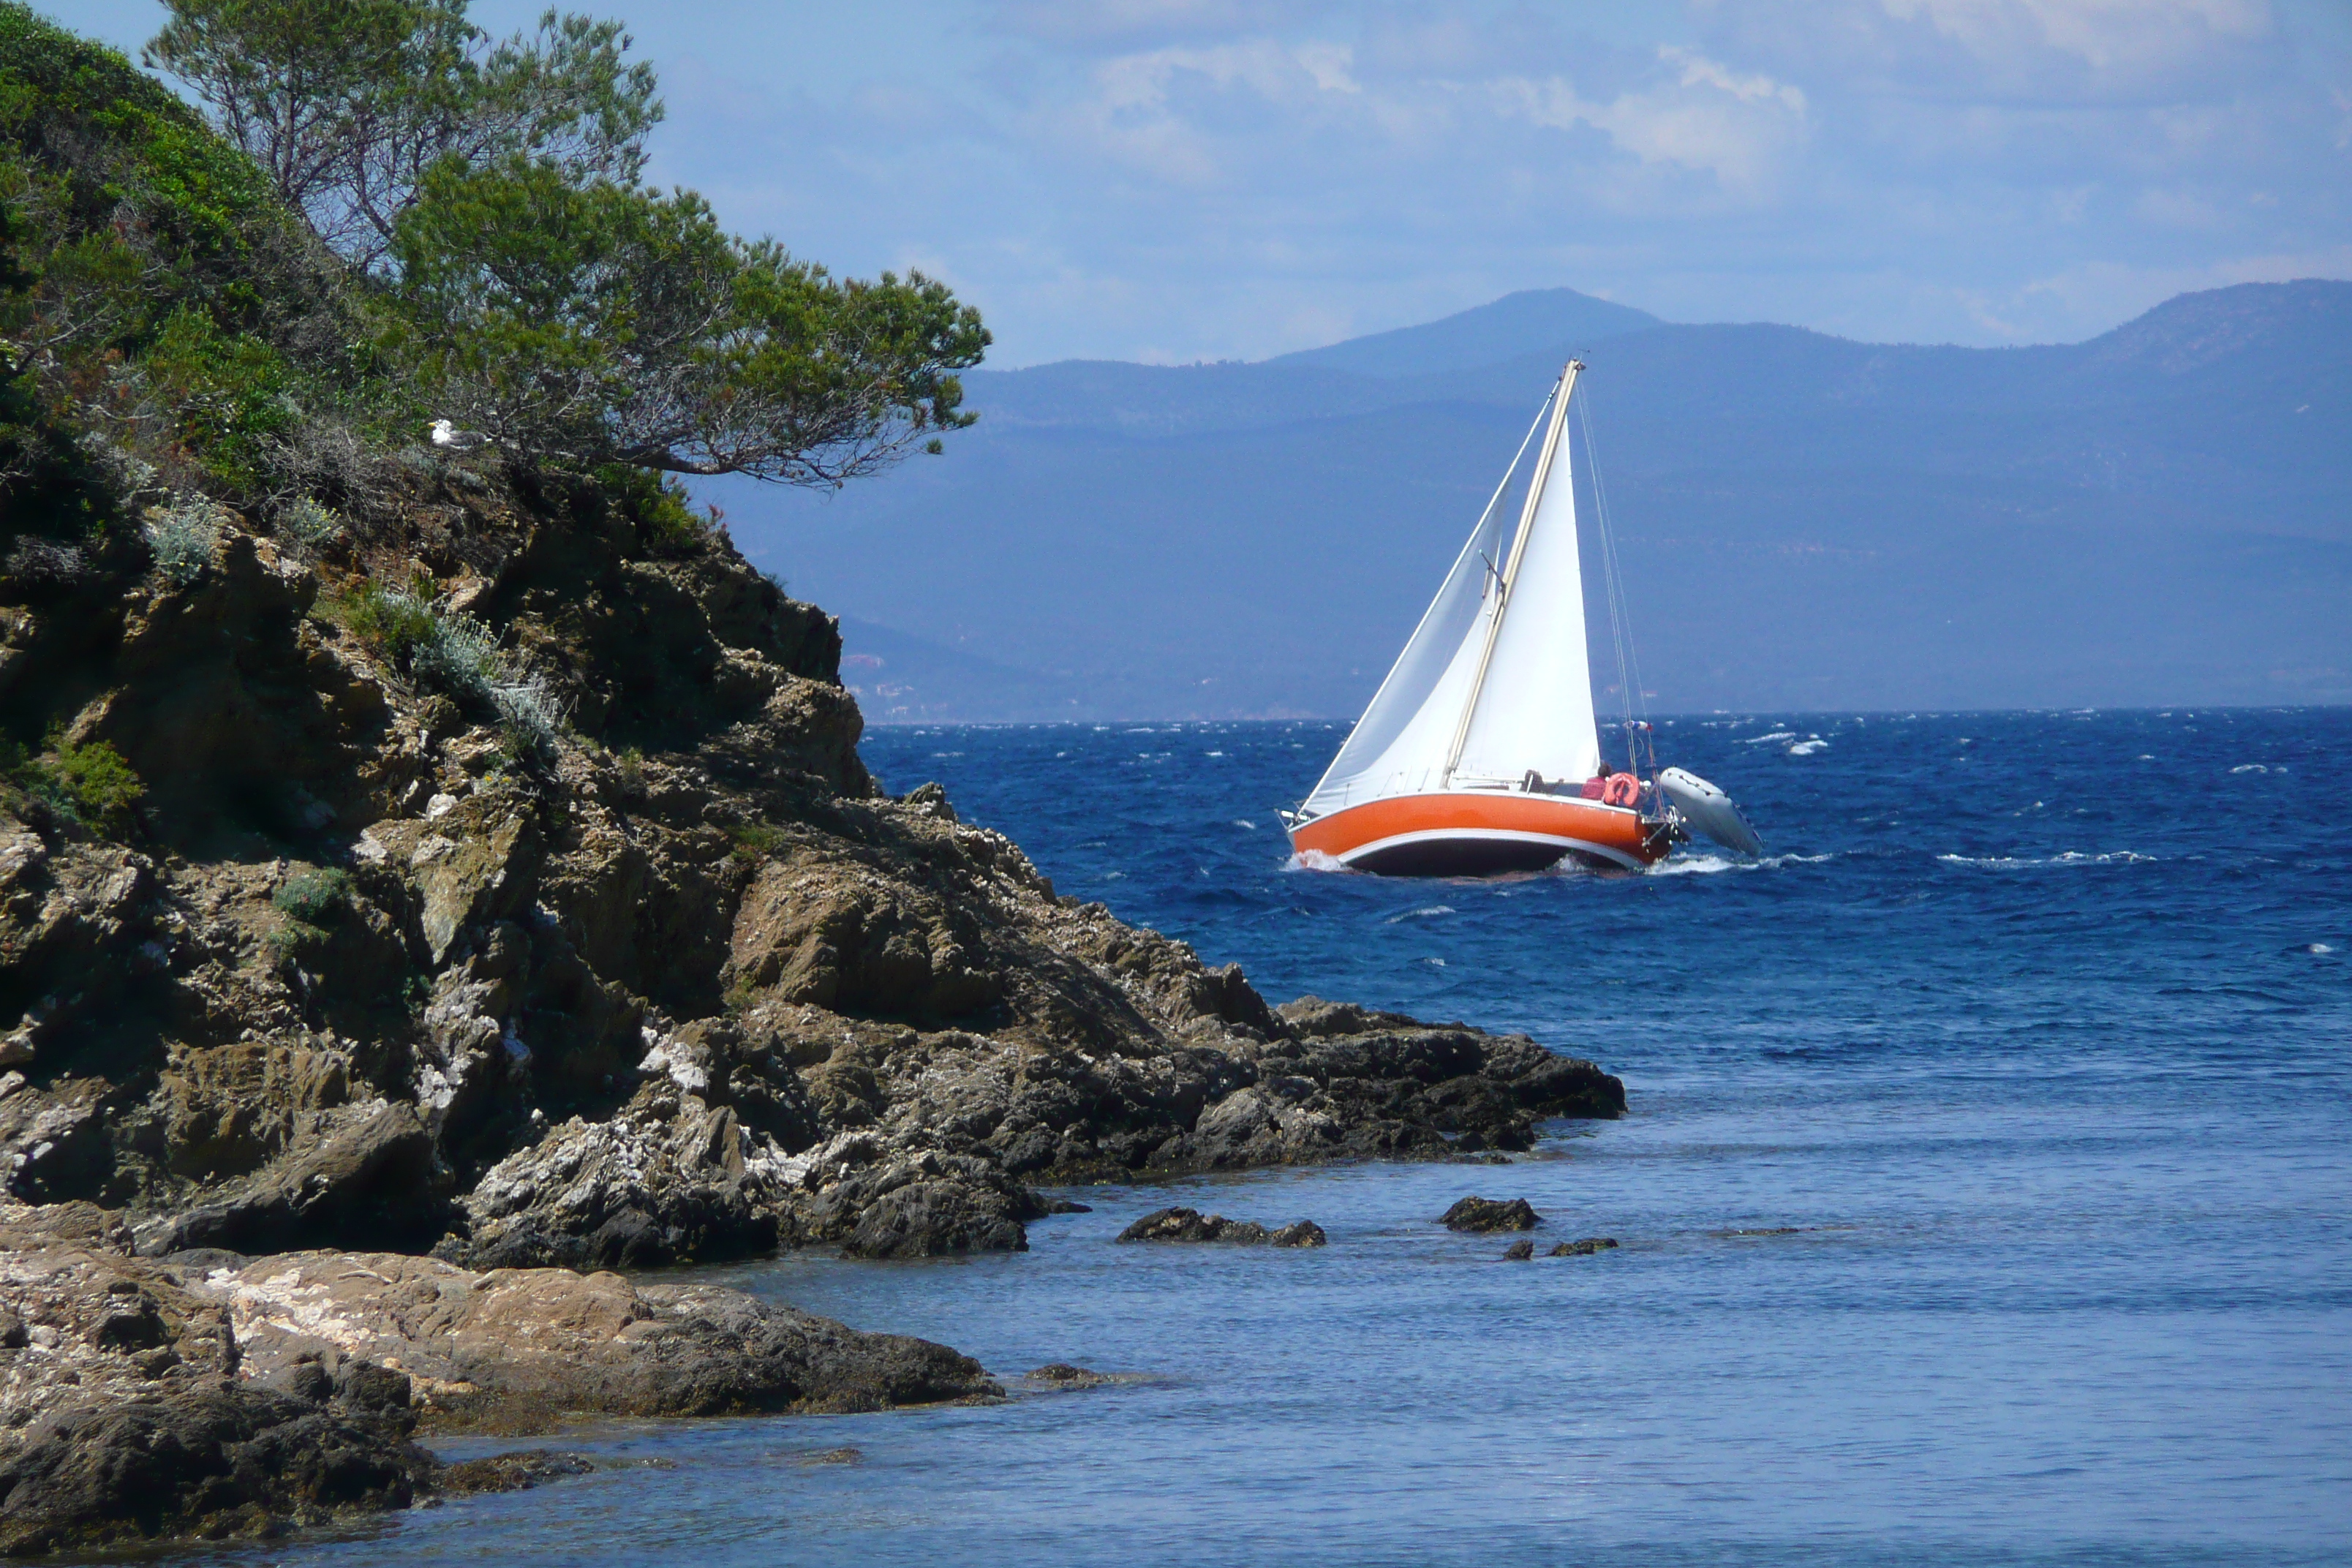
(1738,127)
(2134,38)
(1134,115)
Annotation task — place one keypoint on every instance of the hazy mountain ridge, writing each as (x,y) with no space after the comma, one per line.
(2162,513)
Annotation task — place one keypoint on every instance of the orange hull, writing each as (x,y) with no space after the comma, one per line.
(1470,834)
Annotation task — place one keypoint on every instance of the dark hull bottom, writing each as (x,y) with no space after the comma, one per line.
(1459,857)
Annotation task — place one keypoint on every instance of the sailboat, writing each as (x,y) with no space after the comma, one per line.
(1481,752)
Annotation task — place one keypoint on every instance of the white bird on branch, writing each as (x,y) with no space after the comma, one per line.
(448,436)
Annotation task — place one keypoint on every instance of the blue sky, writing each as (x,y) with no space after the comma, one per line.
(1173,180)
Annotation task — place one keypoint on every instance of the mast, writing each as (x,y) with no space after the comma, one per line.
(1511,568)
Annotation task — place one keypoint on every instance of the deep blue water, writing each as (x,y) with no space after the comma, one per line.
(2036,1029)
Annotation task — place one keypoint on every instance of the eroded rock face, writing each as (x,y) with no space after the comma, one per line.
(368,970)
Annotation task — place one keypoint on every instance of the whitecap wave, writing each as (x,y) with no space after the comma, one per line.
(1807,748)
(1707,863)
(1427,911)
(1245,824)
(1314,860)
(2250,768)
(1761,740)
(2068,857)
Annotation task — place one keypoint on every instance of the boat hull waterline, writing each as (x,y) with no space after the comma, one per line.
(1461,833)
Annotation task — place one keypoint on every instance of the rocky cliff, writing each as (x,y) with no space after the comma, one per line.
(352,955)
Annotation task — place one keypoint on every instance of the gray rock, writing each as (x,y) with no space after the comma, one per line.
(666,1179)
(1484,1214)
(1192,1226)
(931,1220)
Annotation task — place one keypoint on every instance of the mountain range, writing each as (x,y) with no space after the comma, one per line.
(2159,515)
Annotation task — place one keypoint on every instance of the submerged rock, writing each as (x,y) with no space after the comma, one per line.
(1584,1249)
(1190,1224)
(1518,1252)
(513,1472)
(1483,1214)
(1062,1375)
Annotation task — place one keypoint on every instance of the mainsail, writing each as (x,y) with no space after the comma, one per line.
(1503,676)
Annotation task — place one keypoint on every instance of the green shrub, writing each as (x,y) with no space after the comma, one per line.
(455,654)
(185,539)
(754,841)
(309,525)
(90,784)
(230,395)
(667,522)
(317,897)
(390,623)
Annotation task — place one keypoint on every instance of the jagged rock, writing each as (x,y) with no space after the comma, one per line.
(668,1179)
(1483,1214)
(229,1109)
(204,1462)
(208,1394)
(54,1143)
(476,861)
(1518,1252)
(1190,1224)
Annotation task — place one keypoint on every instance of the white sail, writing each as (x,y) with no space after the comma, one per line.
(1533,710)
(1399,746)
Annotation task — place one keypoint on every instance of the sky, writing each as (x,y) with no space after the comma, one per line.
(1181,180)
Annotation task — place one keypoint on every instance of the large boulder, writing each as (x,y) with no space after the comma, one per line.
(521,1347)
(123,1417)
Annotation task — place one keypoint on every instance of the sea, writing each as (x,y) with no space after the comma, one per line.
(1985,1198)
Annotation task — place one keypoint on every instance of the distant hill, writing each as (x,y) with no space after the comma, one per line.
(1553,320)
(2161,514)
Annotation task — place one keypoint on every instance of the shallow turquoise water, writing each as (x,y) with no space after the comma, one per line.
(2038,1028)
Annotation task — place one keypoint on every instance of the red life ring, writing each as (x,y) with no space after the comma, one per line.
(1623,789)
